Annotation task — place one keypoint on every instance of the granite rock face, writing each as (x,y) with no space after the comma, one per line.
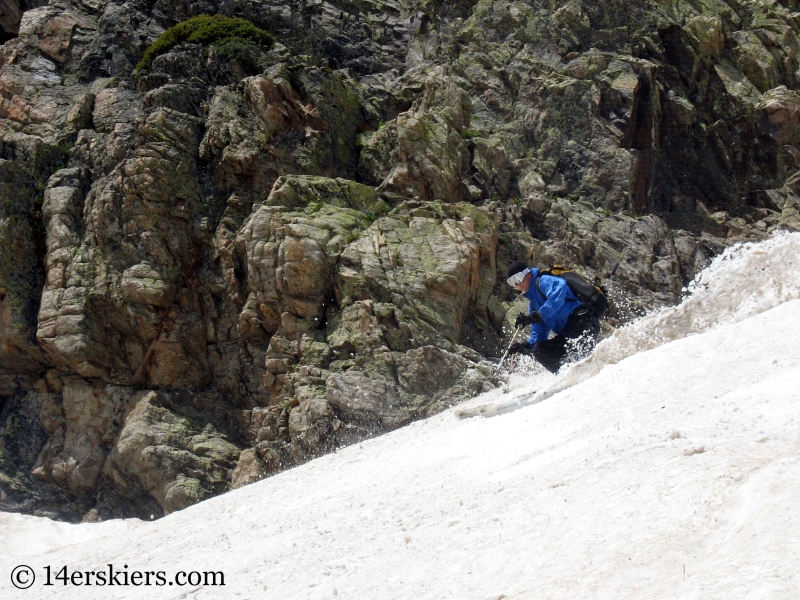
(228,266)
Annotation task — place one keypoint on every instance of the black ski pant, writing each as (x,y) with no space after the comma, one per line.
(574,343)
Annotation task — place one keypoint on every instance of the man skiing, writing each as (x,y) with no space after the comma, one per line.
(553,307)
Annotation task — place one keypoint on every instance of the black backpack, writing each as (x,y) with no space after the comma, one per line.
(591,296)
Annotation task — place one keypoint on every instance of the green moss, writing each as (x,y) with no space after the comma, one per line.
(210,446)
(229,34)
(484,223)
(301,191)
(245,51)
(381,208)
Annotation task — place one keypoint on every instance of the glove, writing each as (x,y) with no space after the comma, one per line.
(531,319)
(520,348)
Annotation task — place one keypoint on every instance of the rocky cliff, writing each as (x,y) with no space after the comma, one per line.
(232,262)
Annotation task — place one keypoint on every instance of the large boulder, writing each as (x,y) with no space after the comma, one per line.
(421,154)
(81,436)
(145,208)
(165,452)
(432,264)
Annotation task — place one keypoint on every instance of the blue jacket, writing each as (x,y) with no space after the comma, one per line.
(555,303)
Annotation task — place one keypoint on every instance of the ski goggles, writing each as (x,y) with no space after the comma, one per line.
(517,278)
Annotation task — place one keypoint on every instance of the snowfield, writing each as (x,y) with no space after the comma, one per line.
(665,466)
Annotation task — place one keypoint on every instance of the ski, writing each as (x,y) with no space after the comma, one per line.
(492,409)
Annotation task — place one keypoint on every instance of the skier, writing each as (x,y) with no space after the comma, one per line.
(553,307)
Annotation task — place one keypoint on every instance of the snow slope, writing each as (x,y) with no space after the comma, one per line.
(673,472)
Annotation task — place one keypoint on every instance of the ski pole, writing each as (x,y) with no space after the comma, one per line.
(511,344)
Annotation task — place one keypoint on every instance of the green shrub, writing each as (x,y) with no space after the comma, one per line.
(227,33)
